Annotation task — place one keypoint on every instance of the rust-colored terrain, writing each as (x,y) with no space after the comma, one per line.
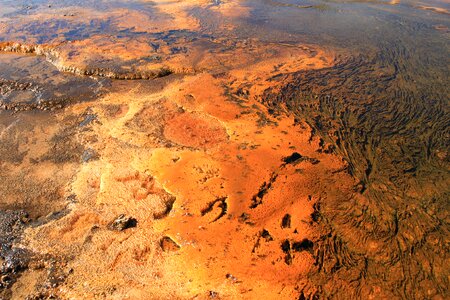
(155,150)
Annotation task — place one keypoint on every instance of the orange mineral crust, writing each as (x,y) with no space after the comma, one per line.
(217,193)
(226,149)
(171,187)
(222,192)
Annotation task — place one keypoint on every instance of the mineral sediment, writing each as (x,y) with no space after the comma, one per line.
(208,150)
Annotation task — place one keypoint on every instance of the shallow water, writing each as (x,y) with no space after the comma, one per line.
(386,110)
(29,82)
(382,106)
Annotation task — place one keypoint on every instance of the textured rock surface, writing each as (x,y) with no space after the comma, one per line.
(223,150)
